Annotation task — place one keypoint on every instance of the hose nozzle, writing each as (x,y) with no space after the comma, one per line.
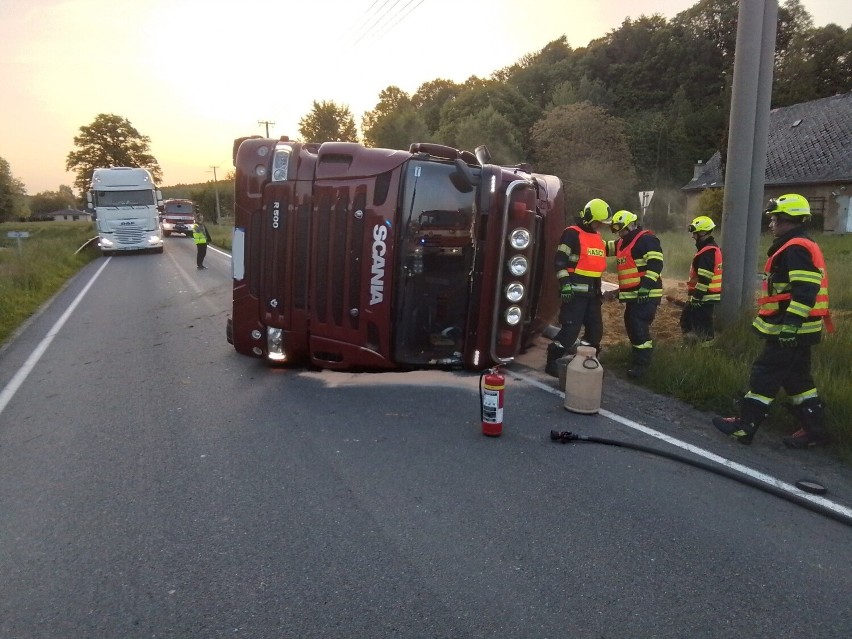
(563,436)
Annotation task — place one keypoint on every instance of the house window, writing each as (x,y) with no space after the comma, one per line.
(817,205)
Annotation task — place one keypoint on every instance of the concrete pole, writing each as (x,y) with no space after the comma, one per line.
(740,156)
(757,198)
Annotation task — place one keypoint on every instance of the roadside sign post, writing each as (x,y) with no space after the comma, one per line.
(18,235)
(645,201)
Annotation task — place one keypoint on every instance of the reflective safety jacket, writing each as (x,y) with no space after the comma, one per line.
(200,234)
(705,273)
(639,259)
(794,289)
(581,260)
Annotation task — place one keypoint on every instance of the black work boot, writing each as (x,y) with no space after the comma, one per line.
(555,350)
(742,428)
(641,360)
(811,414)
(737,428)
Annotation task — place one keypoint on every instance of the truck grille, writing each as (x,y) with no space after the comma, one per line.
(129,234)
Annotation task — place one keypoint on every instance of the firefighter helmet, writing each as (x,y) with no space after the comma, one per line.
(701,224)
(792,205)
(596,211)
(622,219)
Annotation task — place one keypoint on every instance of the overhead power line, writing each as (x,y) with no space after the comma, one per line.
(387,20)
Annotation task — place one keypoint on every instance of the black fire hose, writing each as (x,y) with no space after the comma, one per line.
(566,437)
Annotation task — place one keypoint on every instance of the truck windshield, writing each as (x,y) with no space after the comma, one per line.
(124,198)
(179,209)
(437,251)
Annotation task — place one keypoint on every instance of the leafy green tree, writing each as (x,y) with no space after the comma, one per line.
(204,197)
(495,131)
(328,122)
(481,95)
(710,204)
(50,201)
(430,98)
(537,75)
(586,90)
(588,149)
(13,195)
(109,141)
(394,123)
(820,66)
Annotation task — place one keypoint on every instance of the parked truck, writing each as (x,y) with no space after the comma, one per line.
(178,216)
(352,257)
(125,202)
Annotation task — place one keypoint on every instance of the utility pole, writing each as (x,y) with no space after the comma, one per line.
(267,123)
(216,191)
(746,167)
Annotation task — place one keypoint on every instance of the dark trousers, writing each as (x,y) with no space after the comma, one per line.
(776,368)
(201,251)
(698,320)
(637,321)
(583,312)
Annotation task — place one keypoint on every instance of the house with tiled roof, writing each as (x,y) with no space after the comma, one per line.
(809,152)
(70,215)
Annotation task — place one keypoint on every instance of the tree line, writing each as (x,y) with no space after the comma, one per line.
(633,110)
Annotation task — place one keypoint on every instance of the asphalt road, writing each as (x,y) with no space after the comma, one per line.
(153,483)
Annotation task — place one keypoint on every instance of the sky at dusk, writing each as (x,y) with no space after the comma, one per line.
(194,74)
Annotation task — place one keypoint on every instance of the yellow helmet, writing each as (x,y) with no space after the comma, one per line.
(622,219)
(792,204)
(596,211)
(701,224)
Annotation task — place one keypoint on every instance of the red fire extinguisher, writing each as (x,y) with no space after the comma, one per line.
(491,401)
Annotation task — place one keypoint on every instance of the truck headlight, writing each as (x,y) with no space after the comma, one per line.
(519,239)
(275,344)
(280,163)
(518,265)
(513,315)
(514,292)
(106,242)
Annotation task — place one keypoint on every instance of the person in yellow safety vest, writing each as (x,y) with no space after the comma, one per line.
(201,237)
(639,259)
(704,286)
(792,309)
(580,261)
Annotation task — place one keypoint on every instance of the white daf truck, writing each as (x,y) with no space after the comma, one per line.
(126,205)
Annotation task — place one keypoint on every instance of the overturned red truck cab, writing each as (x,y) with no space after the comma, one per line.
(348,257)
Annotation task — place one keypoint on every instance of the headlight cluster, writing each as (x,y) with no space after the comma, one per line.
(517,265)
(275,344)
(280,163)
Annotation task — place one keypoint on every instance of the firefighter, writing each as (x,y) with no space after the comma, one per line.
(580,261)
(201,236)
(704,287)
(639,259)
(791,312)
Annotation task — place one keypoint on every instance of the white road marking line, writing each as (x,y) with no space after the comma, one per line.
(23,372)
(745,470)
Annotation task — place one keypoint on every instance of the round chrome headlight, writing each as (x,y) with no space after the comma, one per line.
(514,292)
(519,239)
(513,315)
(518,265)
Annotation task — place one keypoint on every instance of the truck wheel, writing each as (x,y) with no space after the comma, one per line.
(167,233)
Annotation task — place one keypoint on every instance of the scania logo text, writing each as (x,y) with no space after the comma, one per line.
(377,282)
